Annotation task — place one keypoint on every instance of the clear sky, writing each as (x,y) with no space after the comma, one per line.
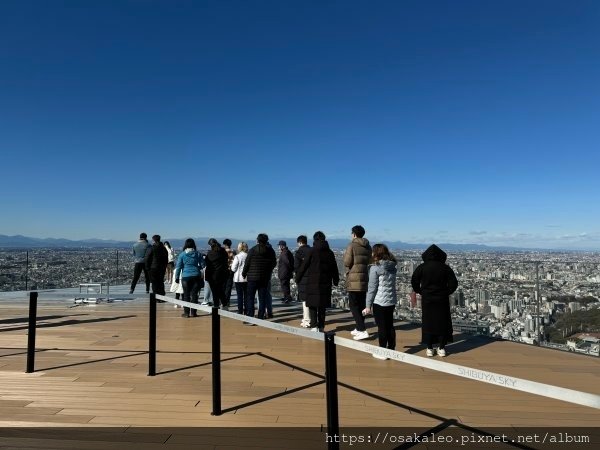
(467,121)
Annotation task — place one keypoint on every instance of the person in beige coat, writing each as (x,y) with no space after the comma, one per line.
(356,260)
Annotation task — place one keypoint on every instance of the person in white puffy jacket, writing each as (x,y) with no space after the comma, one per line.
(381,295)
(241,283)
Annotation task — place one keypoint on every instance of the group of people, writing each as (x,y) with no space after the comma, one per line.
(154,260)
(370,281)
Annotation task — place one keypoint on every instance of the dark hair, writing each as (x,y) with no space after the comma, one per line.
(262,238)
(189,243)
(156,238)
(319,236)
(382,253)
(167,244)
(302,239)
(213,243)
(227,242)
(358,230)
(143,236)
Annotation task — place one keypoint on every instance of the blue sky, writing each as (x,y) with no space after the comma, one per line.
(434,121)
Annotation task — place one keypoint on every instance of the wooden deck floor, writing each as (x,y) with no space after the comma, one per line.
(91,371)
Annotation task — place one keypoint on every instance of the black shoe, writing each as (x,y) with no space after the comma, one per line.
(130,292)
(185,315)
(269,316)
(193,315)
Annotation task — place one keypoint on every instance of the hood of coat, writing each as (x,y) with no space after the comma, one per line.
(262,249)
(321,245)
(388,266)
(363,242)
(434,253)
(190,256)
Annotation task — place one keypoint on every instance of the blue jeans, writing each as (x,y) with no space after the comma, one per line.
(262,287)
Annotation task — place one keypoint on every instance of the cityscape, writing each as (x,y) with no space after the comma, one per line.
(538,298)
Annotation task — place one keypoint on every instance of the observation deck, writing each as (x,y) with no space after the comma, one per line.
(92,361)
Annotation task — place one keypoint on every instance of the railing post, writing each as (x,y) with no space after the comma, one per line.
(216,362)
(33,296)
(333,423)
(152,337)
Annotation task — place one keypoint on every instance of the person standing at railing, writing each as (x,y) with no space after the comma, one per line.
(229,282)
(435,281)
(217,271)
(241,283)
(170,262)
(156,264)
(258,268)
(189,266)
(299,257)
(285,270)
(139,253)
(356,260)
(382,297)
(321,270)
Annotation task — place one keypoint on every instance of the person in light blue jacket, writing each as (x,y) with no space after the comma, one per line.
(382,297)
(189,266)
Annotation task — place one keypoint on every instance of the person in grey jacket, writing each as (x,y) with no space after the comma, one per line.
(381,296)
(139,253)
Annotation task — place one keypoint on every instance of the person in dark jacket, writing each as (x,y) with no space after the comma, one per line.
(217,271)
(299,257)
(285,270)
(258,268)
(435,281)
(321,270)
(156,260)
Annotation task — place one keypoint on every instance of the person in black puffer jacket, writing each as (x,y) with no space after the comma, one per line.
(258,268)
(156,261)
(217,271)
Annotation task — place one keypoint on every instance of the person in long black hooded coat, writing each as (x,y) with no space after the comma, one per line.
(320,269)
(435,281)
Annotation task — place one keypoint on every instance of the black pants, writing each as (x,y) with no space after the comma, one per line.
(430,339)
(218,292)
(241,289)
(285,288)
(228,287)
(357,302)
(191,288)
(137,271)
(317,316)
(384,318)
(158,281)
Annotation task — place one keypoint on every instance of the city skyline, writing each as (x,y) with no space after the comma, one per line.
(458,123)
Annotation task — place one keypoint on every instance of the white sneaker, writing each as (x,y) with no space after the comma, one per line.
(353,332)
(429,352)
(315,329)
(441,352)
(304,324)
(375,355)
(204,303)
(360,335)
(176,306)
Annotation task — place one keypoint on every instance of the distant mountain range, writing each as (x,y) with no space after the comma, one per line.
(31,242)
